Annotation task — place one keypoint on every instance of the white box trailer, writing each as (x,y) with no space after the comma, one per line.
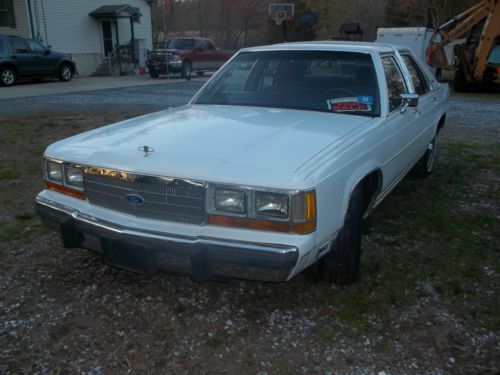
(415,38)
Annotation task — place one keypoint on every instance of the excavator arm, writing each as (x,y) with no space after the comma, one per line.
(488,10)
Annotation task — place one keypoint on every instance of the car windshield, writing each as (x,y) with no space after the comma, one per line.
(180,44)
(326,81)
(494,57)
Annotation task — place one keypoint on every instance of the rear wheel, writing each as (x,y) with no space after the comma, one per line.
(341,264)
(186,70)
(423,168)
(7,76)
(65,73)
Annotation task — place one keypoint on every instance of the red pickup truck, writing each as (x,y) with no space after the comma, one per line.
(185,56)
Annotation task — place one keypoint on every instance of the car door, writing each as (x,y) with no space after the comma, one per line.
(21,56)
(199,55)
(44,63)
(428,117)
(399,131)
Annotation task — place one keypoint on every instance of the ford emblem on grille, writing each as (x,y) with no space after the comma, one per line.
(134,199)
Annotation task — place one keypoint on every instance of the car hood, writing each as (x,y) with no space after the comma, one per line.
(244,145)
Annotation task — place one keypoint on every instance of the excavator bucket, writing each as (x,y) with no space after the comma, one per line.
(436,57)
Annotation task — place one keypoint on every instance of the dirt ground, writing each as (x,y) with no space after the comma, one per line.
(426,303)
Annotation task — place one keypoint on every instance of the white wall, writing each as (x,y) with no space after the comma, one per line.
(71,29)
(22,21)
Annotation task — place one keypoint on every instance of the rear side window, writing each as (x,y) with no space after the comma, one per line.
(417,77)
(2,48)
(395,82)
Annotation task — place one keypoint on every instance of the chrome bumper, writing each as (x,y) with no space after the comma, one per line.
(147,251)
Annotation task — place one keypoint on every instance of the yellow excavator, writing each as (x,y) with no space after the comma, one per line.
(477,61)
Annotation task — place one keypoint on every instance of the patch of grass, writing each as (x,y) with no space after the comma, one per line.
(25,225)
(165,332)
(8,174)
(217,339)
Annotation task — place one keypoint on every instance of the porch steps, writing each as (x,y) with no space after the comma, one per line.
(103,69)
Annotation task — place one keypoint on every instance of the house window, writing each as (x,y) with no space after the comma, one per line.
(7,16)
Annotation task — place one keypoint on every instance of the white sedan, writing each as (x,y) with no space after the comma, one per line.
(270,168)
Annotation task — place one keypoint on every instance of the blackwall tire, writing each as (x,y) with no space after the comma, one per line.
(186,70)
(7,76)
(341,264)
(423,168)
(65,73)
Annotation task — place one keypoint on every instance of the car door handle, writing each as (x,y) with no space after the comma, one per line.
(434,99)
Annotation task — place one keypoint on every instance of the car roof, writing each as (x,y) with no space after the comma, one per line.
(327,45)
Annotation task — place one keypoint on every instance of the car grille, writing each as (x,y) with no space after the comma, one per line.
(170,199)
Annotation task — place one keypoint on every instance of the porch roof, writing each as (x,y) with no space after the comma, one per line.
(116,11)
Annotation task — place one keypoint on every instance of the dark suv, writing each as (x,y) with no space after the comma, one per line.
(21,57)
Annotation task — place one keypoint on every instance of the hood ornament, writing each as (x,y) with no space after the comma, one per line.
(146,149)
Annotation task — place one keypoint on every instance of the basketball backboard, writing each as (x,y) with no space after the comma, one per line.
(281,12)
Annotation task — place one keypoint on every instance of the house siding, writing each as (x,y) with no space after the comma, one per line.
(22,21)
(69,28)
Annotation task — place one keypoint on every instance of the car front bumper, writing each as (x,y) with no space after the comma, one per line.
(165,67)
(149,251)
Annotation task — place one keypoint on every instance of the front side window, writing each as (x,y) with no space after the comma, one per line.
(494,57)
(325,81)
(7,15)
(417,77)
(395,82)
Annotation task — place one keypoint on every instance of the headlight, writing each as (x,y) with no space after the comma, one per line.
(54,171)
(230,200)
(175,57)
(270,204)
(64,178)
(286,211)
(73,177)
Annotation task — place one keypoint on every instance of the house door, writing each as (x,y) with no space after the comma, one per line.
(108,37)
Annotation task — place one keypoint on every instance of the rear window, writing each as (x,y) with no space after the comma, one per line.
(326,81)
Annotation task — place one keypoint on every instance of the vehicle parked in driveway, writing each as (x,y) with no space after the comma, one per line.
(185,56)
(270,168)
(27,58)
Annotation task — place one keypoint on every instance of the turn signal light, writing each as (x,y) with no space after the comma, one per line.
(64,190)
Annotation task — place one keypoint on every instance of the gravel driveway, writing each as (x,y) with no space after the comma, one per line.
(427,302)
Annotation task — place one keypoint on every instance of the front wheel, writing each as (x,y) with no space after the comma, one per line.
(65,73)
(7,76)
(186,70)
(423,168)
(341,264)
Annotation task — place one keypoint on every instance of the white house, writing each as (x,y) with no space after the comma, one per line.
(88,29)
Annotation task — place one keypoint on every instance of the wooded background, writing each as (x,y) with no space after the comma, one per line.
(239,23)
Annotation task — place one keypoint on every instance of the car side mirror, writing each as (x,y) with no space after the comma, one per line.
(408,101)
(47,51)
